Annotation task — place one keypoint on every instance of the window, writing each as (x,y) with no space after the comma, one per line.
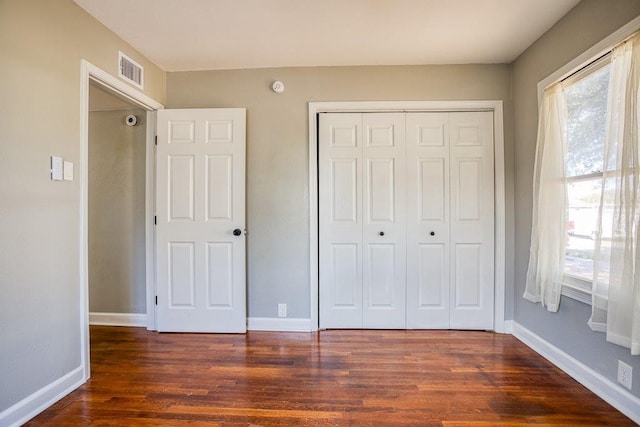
(586,200)
(586,95)
(573,106)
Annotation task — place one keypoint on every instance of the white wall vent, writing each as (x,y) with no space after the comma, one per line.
(130,70)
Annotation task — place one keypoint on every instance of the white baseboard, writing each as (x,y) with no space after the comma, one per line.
(278,324)
(37,402)
(609,391)
(508,326)
(118,319)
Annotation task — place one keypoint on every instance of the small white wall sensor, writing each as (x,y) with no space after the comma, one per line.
(278,86)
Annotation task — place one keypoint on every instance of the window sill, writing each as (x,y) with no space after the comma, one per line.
(577,294)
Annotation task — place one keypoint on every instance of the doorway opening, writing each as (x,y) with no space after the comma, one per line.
(116,250)
(93,77)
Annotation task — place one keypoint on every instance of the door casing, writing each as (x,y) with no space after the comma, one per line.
(316,108)
(89,72)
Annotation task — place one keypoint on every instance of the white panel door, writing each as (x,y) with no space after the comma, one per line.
(384,220)
(472,220)
(406,217)
(200,208)
(340,220)
(428,220)
(362,221)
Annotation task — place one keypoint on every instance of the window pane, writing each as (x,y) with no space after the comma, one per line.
(586,122)
(582,226)
(582,220)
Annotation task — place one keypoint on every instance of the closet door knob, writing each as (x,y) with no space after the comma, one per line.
(237,232)
(433,233)
(381,233)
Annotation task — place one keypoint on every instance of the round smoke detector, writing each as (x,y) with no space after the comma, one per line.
(278,86)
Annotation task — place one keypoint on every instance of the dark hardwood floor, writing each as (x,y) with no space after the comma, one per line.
(337,378)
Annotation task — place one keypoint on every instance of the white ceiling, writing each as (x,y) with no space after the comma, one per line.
(188,35)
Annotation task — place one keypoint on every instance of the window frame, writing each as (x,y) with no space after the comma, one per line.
(573,287)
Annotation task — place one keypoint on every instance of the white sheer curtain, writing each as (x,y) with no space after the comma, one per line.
(616,298)
(548,230)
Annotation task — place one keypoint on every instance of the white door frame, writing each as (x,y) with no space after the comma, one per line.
(89,72)
(411,106)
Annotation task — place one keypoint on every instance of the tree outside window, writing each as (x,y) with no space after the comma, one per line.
(586,98)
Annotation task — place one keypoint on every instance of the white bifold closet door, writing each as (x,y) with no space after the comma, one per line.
(362,221)
(450,220)
(406,220)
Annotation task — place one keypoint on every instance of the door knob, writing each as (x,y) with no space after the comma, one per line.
(433,233)
(381,233)
(237,232)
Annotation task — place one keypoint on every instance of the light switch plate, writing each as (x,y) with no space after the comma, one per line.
(56,168)
(68,171)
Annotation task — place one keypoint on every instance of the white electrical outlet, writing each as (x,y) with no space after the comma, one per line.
(282,310)
(624,374)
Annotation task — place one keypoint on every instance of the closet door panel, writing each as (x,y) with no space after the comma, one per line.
(428,220)
(472,220)
(384,224)
(340,220)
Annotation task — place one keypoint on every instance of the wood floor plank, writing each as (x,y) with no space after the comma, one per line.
(337,378)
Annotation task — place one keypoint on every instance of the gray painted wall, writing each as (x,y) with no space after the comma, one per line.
(41,45)
(587,24)
(116,213)
(277,152)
